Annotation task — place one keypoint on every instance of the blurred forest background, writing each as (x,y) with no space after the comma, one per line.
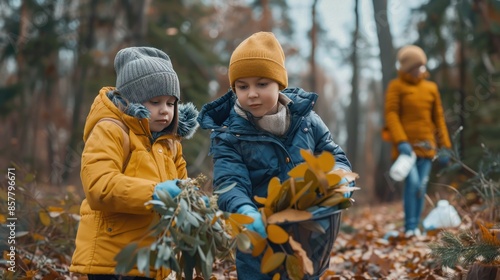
(56,55)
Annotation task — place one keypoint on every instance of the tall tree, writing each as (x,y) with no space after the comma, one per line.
(87,33)
(354,107)
(388,62)
(314,42)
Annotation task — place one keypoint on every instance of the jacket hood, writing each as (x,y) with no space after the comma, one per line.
(108,104)
(215,114)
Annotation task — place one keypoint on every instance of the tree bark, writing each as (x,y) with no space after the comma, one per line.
(388,62)
(353,119)
(266,22)
(312,58)
(76,129)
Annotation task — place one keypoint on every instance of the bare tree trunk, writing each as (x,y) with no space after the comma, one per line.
(388,62)
(314,41)
(266,22)
(137,19)
(353,115)
(80,83)
(23,123)
(384,41)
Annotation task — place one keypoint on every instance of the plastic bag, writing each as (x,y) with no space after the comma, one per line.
(443,216)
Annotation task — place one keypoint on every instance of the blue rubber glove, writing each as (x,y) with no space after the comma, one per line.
(206,200)
(169,186)
(405,148)
(443,160)
(258,224)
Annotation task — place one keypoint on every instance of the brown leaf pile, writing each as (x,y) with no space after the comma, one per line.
(360,252)
(372,245)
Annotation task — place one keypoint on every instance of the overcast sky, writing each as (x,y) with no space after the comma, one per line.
(337,17)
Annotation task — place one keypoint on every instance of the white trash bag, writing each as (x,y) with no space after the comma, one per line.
(443,216)
(402,166)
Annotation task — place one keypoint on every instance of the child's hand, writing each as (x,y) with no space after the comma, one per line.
(405,148)
(258,224)
(169,186)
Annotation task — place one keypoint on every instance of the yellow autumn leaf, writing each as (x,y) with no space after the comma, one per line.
(277,234)
(298,171)
(333,179)
(266,212)
(302,255)
(269,252)
(326,161)
(44,218)
(349,176)
(273,190)
(260,200)
(294,267)
(235,227)
(241,219)
(333,200)
(306,201)
(310,177)
(299,194)
(30,274)
(276,276)
(289,215)
(38,237)
(217,215)
(2,219)
(259,243)
(487,236)
(273,262)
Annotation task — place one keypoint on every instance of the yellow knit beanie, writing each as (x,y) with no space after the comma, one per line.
(410,56)
(260,55)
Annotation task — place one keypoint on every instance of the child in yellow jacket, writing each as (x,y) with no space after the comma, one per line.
(144,114)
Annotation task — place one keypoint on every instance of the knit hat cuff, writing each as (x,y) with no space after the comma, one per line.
(258,67)
(150,86)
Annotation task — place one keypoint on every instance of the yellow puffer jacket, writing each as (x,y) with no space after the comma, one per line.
(113,214)
(413,113)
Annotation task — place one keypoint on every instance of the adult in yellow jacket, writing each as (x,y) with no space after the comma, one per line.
(415,121)
(141,113)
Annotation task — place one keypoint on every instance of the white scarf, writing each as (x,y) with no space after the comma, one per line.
(277,123)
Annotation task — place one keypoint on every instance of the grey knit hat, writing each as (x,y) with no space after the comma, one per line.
(144,73)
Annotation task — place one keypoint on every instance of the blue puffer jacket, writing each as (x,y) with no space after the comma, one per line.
(250,157)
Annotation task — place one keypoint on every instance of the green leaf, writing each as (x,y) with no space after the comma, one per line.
(207,266)
(202,255)
(168,253)
(193,241)
(126,259)
(192,219)
(143,260)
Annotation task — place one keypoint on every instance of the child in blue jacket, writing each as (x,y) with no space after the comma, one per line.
(258,129)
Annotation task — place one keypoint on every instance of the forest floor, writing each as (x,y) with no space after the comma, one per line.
(371,245)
